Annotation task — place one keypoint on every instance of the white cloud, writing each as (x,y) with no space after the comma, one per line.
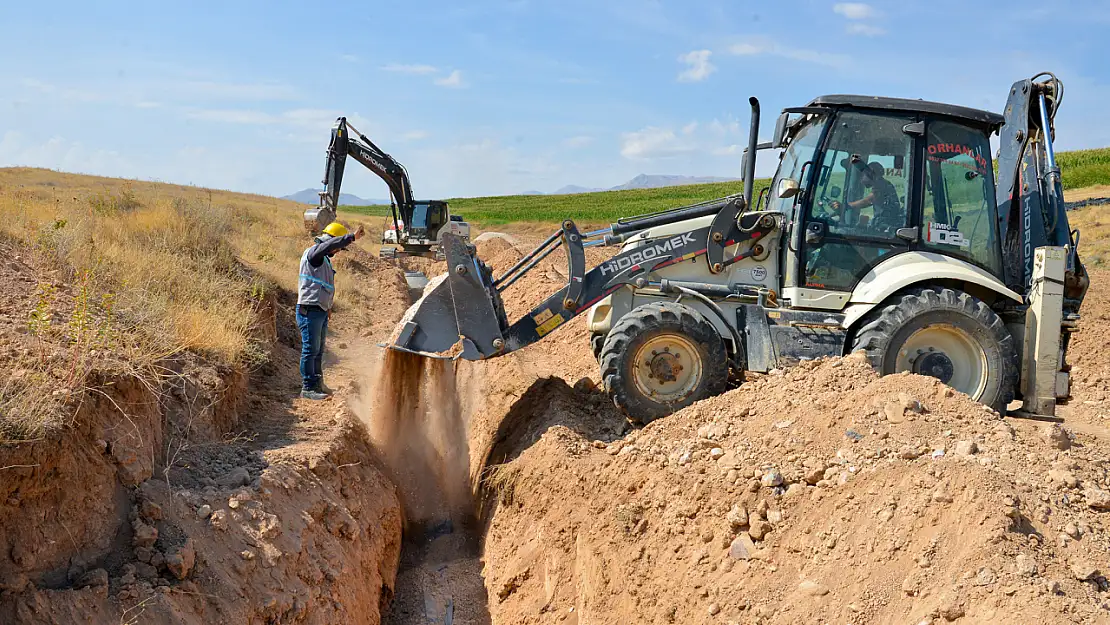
(716,138)
(699,66)
(414,135)
(652,143)
(349,58)
(452,80)
(580,141)
(759,46)
(854,10)
(410,69)
(865,30)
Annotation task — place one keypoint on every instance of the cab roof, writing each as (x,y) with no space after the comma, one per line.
(976,116)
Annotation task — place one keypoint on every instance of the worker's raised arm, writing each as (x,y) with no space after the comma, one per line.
(326,248)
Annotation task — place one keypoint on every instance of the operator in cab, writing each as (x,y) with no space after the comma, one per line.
(883,197)
(315,294)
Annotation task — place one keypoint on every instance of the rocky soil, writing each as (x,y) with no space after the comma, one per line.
(821,493)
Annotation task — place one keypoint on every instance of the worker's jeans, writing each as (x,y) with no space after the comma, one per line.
(313,322)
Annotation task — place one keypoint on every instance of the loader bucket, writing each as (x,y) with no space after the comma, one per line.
(460,305)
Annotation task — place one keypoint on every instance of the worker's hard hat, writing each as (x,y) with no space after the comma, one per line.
(335,229)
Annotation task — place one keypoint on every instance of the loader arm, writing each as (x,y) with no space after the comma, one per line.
(466,306)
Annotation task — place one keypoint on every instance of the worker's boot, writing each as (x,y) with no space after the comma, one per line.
(322,388)
(309,393)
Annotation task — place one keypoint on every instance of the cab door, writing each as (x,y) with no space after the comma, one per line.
(858,208)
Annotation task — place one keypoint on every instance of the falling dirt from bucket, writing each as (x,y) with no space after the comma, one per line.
(416,422)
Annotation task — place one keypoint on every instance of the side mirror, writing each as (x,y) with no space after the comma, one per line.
(834,192)
(788,188)
(779,138)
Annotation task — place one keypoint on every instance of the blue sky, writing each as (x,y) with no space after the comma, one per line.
(495,97)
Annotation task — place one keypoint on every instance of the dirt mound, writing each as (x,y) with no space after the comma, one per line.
(750,507)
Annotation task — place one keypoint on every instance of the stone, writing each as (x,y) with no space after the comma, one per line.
(894,412)
(909,453)
(1057,437)
(771,478)
(1063,477)
(239,476)
(150,510)
(737,517)
(985,577)
(96,578)
(1097,498)
(145,571)
(812,589)
(815,475)
(1083,570)
(218,520)
(180,563)
(145,535)
(741,548)
(966,448)
(1053,587)
(716,453)
(759,529)
(774,516)
(1026,565)
(714,609)
(204,512)
(1071,530)
(727,461)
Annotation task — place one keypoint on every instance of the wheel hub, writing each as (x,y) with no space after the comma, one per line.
(935,364)
(667,368)
(664,366)
(947,353)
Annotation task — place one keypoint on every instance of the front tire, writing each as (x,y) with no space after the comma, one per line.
(945,334)
(662,357)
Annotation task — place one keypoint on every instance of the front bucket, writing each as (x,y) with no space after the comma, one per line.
(458,306)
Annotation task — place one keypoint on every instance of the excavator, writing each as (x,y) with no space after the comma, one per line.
(417,226)
(885,230)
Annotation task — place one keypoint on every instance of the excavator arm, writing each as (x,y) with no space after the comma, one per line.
(348,141)
(1030,195)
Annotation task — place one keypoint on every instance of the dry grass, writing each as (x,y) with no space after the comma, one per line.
(157,269)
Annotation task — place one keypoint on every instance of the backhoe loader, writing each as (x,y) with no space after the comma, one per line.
(885,230)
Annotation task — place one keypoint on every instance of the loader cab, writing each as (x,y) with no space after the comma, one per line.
(878,177)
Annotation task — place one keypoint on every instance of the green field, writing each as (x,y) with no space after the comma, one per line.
(1084,168)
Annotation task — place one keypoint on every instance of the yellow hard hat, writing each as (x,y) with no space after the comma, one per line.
(335,229)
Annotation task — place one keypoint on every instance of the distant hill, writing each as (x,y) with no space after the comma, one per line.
(573,188)
(312,196)
(643,181)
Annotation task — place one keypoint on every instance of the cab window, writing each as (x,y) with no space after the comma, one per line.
(864,178)
(798,153)
(959,209)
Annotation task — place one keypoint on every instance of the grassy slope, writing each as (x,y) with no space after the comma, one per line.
(1080,169)
(184,266)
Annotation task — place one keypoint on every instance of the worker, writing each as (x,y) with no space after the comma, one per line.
(883,197)
(315,294)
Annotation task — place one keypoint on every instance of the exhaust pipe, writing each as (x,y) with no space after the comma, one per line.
(749,154)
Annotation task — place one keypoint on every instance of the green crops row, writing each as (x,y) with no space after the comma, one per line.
(1083,168)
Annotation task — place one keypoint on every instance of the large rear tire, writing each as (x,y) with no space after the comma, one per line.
(662,357)
(945,334)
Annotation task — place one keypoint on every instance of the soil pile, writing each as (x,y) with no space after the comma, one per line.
(822,493)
